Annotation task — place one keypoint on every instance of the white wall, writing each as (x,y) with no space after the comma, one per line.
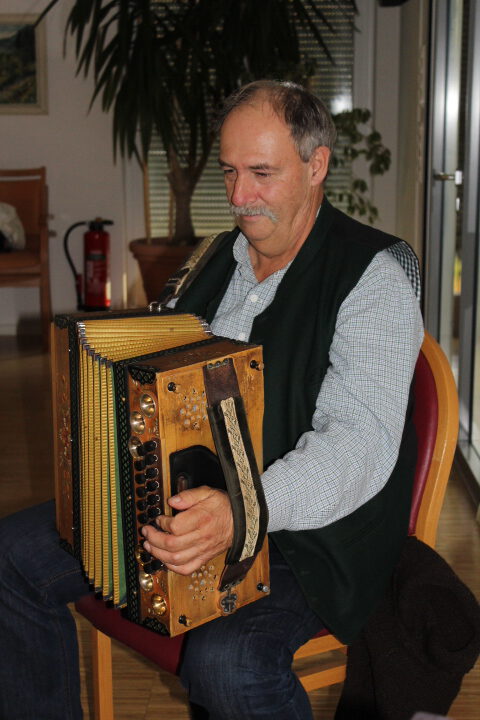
(390,79)
(413,122)
(376,87)
(76,148)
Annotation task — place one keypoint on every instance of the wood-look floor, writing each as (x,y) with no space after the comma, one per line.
(141,692)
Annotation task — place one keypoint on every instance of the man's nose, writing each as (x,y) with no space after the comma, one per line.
(243,192)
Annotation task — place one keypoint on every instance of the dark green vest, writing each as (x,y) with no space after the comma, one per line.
(343,568)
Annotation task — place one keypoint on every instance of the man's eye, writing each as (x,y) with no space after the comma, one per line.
(263,174)
(227,171)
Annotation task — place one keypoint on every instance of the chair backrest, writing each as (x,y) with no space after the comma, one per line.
(436,423)
(26,190)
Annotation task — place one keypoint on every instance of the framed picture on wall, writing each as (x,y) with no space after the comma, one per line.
(22,65)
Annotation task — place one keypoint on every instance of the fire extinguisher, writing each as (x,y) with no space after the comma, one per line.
(93,289)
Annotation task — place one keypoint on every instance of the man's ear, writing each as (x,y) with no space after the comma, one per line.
(319,164)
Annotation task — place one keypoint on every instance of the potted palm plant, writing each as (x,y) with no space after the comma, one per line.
(163,67)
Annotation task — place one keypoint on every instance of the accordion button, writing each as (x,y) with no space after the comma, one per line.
(153,512)
(153,499)
(142,555)
(151,472)
(151,459)
(139,464)
(146,581)
(141,504)
(142,518)
(150,445)
(140,478)
(141,491)
(157,565)
(152,485)
(159,605)
(153,566)
(137,422)
(147,405)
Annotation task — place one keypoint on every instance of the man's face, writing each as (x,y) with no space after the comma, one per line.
(273,194)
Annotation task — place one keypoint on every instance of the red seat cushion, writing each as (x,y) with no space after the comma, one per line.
(425,419)
(163,651)
(322,633)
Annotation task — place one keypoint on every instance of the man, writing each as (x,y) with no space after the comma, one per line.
(341,331)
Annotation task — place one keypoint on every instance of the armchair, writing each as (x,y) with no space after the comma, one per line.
(26,190)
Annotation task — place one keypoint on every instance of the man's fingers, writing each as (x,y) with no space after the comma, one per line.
(175,557)
(183,554)
(195,535)
(200,508)
(186,522)
(169,543)
(187,498)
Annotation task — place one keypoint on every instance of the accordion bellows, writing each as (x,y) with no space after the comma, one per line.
(145,405)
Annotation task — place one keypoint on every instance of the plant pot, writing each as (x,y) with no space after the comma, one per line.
(158,261)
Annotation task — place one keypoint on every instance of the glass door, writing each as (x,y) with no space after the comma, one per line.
(444,181)
(470,299)
(452,248)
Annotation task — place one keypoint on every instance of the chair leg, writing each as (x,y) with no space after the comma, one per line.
(102,675)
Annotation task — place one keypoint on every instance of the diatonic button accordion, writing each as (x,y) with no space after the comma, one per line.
(147,404)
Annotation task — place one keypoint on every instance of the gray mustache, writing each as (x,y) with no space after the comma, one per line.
(250,211)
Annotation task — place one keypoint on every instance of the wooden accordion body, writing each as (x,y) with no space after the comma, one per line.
(133,426)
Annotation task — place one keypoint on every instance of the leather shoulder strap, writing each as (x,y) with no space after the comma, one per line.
(229,426)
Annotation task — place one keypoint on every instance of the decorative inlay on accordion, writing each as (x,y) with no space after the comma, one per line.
(147,404)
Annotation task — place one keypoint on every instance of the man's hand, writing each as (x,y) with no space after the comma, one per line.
(194,536)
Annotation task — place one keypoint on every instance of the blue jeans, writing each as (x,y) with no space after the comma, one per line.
(39,674)
(236,667)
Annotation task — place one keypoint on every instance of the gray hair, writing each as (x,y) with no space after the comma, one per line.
(310,123)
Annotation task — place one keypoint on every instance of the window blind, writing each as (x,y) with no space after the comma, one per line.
(333,82)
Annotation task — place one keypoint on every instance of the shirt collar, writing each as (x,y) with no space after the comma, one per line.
(244,264)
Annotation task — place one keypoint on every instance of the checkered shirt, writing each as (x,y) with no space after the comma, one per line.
(358,421)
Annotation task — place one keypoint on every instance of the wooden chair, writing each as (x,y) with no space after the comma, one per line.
(26,190)
(436,422)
